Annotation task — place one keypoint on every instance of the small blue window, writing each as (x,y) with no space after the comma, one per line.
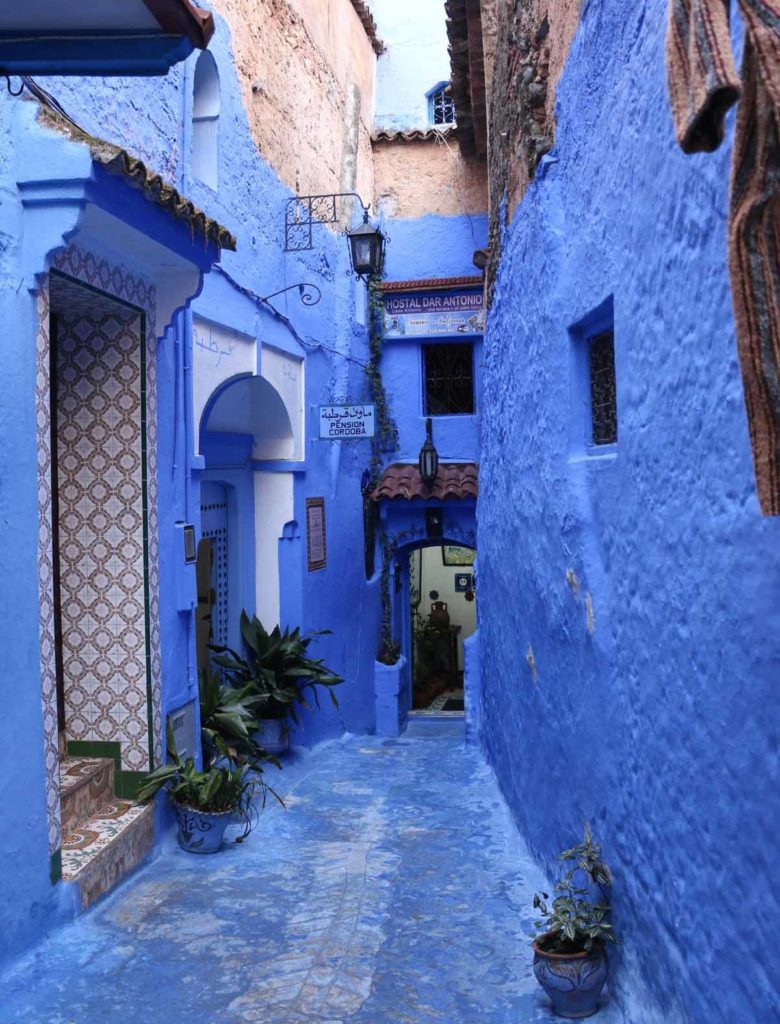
(595,400)
(441,106)
(205,120)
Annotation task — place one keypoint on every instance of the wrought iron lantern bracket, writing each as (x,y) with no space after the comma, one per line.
(302,213)
(309,294)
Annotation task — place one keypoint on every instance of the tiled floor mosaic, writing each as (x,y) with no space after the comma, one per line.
(73,771)
(83,843)
(393,890)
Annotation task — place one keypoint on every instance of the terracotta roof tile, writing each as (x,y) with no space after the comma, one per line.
(413,134)
(182,17)
(402,480)
(369,25)
(431,283)
(135,172)
(467,63)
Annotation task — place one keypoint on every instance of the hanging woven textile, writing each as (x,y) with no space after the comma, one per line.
(703,84)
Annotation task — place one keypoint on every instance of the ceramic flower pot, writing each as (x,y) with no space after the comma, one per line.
(273,735)
(573,981)
(201,832)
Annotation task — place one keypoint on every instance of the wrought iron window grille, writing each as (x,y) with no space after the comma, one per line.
(448,372)
(441,107)
(603,388)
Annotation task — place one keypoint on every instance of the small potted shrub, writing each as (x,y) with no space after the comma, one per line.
(207,801)
(570,961)
(275,669)
(228,724)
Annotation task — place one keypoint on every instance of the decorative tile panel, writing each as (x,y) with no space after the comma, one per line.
(46,570)
(101,528)
(131,714)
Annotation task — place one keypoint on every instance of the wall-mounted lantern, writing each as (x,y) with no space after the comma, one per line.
(303,213)
(429,457)
(366,244)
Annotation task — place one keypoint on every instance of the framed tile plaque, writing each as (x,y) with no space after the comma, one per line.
(316,543)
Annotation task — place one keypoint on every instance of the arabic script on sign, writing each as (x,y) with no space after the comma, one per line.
(346,422)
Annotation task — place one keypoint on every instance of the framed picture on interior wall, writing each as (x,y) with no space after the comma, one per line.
(453,554)
(464,581)
(316,543)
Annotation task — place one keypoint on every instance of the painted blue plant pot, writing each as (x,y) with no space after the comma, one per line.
(573,981)
(273,735)
(200,832)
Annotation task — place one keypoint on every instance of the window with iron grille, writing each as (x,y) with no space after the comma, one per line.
(603,388)
(448,373)
(441,107)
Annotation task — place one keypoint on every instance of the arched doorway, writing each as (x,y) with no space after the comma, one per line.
(246,431)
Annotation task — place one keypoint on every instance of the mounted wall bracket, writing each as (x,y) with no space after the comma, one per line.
(301,213)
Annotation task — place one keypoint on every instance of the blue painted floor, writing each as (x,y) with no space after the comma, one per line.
(393,889)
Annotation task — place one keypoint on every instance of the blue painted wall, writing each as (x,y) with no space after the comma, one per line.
(28,900)
(152,119)
(249,201)
(415,61)
(660,727)
(423,248)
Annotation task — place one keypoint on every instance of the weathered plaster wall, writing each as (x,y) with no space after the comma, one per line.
(28,900)
(416,178)
(652,709)
(306,69)
(526,46)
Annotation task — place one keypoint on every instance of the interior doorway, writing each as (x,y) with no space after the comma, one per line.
(443,613)
(211,618)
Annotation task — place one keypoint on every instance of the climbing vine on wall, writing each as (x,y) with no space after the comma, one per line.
(389,648)
(385,438)
(384,441)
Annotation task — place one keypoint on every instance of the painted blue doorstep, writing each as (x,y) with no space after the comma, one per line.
(393,889)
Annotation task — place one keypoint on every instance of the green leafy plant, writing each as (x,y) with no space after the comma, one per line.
(427,647)
(229,717)
(575,921)
(276,669)
(219,789)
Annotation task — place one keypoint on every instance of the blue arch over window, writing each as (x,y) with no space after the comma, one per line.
(206,102)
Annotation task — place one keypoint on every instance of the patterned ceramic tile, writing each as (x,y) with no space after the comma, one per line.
(102,579)
(106,847)
(46,569)
(86,785)
(102,535)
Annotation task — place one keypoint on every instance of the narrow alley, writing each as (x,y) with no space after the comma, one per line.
(389,415)
(392,889)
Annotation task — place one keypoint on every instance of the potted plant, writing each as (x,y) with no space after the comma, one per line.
(570,961)
(207,801)
(229,722)
(275,669)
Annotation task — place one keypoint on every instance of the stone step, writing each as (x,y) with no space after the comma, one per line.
(86,785)
(106,847)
